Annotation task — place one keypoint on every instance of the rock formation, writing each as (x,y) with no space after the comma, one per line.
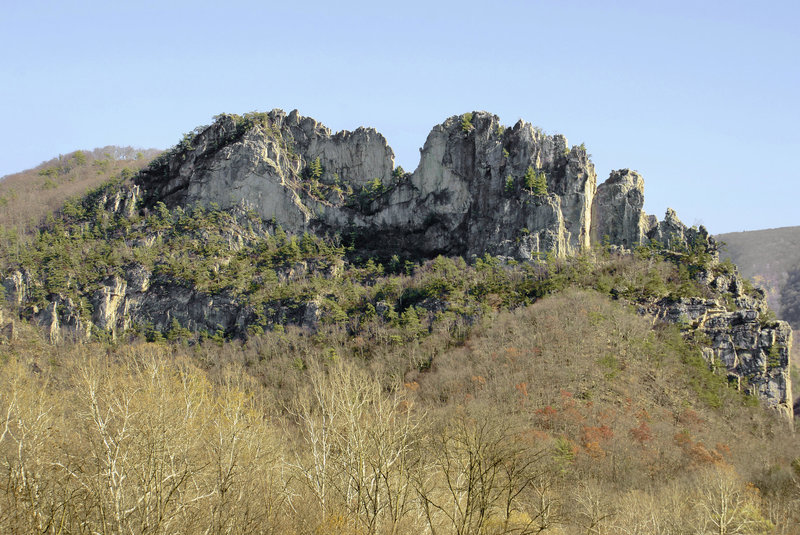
(468,195)
(753,350)
(617,216)
(479,188)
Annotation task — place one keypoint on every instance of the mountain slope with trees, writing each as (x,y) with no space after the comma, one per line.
(570,415)
(182,368)
(26,198)
(771,258)
(155,253)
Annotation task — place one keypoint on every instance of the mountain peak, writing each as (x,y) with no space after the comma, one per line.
(479,186)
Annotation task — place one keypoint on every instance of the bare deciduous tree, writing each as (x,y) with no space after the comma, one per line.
(359,441)
(478,475)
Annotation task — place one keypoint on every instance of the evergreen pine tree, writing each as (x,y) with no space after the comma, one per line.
(509,185)
(315,169)
(535,182)
(530,179)
(540,184)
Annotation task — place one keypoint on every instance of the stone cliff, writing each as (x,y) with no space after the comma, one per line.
(480,187)
(741,336)
(470,194)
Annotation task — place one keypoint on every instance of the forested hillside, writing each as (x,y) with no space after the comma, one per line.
(188,368)
(442,397)
(572,415)
(771,258)
(27,197)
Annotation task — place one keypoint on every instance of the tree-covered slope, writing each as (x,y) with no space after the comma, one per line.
(174,365)
(107,266)
(27,197)
(566,416)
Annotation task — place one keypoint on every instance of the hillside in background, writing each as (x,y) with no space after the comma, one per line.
(771,258)
(27,197)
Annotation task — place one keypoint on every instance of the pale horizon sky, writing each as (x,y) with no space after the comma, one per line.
(700,98)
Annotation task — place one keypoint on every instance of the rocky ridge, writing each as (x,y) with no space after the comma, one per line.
(468,195)
(479,188)
(742,338)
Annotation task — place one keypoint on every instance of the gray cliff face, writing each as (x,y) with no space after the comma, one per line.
(148,302)
(669,230)
(471,181)
(261,166)
(744,342)
(753,353)
(356,157)
(617,215)
(468,196)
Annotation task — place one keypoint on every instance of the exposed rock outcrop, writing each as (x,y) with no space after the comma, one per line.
(471,183)
(670,231)
(118,306)
(16,286)
(468,195)
(744,340)
(617,215)
(49,319)
(109,305)
(754,353)
(262,164)
(479,188)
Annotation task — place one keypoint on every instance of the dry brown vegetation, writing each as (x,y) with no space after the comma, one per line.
(770,257)
(570,416)
(27,197)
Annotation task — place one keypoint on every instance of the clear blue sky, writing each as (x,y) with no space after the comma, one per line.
(702,98)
